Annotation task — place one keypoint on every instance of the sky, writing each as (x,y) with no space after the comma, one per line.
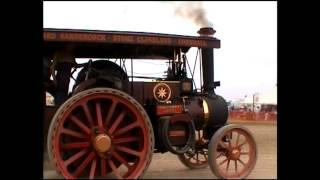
(245,64)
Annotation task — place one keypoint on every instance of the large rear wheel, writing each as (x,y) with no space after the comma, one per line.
(98,132)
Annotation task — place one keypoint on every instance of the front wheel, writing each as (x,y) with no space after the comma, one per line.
(232,152)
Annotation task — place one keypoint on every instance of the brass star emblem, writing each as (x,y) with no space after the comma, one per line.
(162,93)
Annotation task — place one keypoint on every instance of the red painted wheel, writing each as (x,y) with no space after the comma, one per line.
(232,152)
(199,158)
(101,131)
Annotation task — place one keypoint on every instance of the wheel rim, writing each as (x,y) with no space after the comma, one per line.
(234,153)
(199,159)
(99,133)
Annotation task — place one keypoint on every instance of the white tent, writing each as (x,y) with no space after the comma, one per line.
(269,97)
(247,100)
(265,98)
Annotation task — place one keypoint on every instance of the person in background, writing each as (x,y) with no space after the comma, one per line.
(63,61)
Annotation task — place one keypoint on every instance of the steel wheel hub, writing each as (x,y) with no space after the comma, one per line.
(102,143)
(234,154)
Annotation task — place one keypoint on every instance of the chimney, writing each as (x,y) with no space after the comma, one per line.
(207,62)
(206,32)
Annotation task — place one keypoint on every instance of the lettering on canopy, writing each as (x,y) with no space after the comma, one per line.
(120,38)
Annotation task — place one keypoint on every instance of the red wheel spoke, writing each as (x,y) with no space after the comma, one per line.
(82,126)
(119,158)
(125,140)
(241,162)
(223,144)
(88,114)
(103,167)
(126,129)
(223,161)
(194,158)
(219,155)
(77,145)
(227,168)
(93,169)
(75,157)
(236,166)
(114,169)
(244,153)
(197,157)
(229,140)
(72,133)
(84,164)
(129,151)
(191,156)
(205,152)
(245,142)
(205,156)
(117,122)
(238,137)
(111,111)
(99,115)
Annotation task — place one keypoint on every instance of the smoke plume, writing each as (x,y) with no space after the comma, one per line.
(193,11)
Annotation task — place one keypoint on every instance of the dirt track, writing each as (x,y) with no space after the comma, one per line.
(168,166)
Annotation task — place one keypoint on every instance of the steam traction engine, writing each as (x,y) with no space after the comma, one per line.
(110,125)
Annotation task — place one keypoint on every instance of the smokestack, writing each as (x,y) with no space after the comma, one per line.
(206,32)
(207,62)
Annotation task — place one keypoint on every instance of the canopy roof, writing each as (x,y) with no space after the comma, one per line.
(122,44)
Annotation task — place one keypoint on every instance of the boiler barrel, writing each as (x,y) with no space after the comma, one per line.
(217,111)
(208,111)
